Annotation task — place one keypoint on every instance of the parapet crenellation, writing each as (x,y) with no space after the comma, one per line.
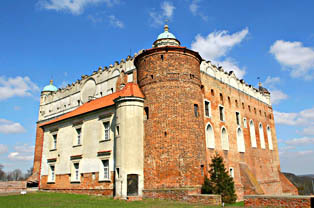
(53,104)
(68,98)
(230,79)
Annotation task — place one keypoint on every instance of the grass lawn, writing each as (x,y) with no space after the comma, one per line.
(47,200)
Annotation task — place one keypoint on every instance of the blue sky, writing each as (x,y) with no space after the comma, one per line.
(64,39)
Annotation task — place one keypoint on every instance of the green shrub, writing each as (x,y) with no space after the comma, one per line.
(220,182)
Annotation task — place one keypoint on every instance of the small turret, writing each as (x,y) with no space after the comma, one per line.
(166,39)
(50,87)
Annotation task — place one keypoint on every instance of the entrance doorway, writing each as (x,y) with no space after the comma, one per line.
(132,189)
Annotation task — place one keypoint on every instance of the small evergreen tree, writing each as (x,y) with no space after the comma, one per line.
(220,181)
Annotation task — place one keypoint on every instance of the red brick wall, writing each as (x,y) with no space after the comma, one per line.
(38,151)
(174,148)
(87,184)
(185,195)
(278,201)
(264,164)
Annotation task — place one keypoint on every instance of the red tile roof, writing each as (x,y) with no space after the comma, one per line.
(130,90)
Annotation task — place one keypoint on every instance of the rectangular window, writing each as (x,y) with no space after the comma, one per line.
(231,171)
(244,123)
(106,131)
(51,173)
(196,110)
(79,131)
(221,113)
(105,164)
(54,142)
(76,172)
(207,108)
(238,118)
(52,168)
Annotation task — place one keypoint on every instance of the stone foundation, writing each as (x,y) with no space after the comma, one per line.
(190,195)
(12,186)
(279,201)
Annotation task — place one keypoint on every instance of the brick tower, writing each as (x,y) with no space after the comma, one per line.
(174,144)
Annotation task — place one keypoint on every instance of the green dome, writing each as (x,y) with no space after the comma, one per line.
(166,34)
(50,88)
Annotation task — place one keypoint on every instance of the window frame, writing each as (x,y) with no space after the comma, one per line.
(210,145)
(238,118)
(261,135)
(244,122)
(252,134)
(223,113)
(75,172)
(231,171)
(209,109)
(51,173)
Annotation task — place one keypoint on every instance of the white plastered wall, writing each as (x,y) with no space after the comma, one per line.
(129,144)
(92,133)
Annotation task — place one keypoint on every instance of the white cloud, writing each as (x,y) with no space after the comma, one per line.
(22,152)
(308,130)
(3,149)
(115,22)
(17,86)
(167,8)
(159,18)
(19,156)
(303,119)
(10,127)
(277,96)
(297,161)
(271,81)
(231,65)
(300,141)
(194,8)
(216,45)
(295,57)
(76,7)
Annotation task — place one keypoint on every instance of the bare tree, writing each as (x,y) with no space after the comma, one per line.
(2,173)
(16,175)
(28,173)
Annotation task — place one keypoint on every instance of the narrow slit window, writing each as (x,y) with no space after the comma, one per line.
(238,118)
(196,110)
(54,144)
(207,108)
(79,133)
(221,113)
(146,109)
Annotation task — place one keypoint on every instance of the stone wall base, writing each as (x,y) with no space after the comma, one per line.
(12,186)
(279,201)
(190,195)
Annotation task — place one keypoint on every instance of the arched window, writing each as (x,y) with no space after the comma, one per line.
(240,140)
(270,140)
(261,136)
(224,139)
(210,139)
(252,134)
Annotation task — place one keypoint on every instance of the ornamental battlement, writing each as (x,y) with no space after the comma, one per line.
(65,99)
(230,79)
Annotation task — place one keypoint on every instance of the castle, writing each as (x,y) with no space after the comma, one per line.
(152,123)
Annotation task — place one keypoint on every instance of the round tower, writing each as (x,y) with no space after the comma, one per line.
(174,144)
